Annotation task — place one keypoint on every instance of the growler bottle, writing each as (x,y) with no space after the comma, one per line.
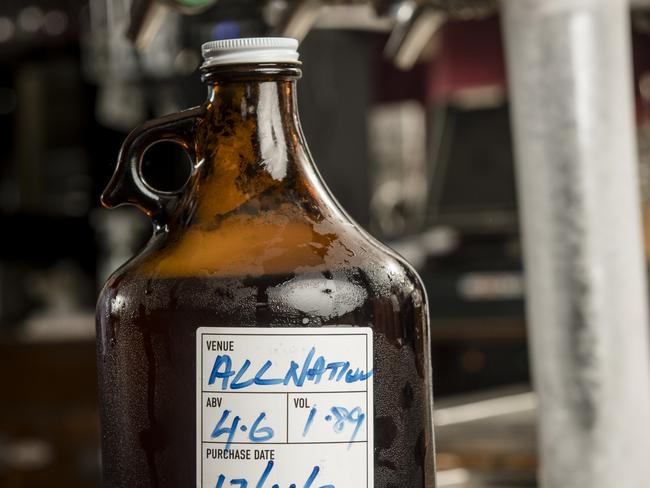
(261,338)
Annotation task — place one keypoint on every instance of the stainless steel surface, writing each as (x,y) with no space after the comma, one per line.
(570,83)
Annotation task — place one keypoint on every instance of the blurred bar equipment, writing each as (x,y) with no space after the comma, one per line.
(570,80)
(412,23)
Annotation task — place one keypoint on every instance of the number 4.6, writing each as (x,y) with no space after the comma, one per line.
(256,433)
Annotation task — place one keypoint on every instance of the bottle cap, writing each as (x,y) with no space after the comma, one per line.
(250,50)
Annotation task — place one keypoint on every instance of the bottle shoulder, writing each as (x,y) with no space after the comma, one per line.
(267,243)
(337,260)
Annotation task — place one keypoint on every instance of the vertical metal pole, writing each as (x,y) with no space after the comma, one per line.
(571,90)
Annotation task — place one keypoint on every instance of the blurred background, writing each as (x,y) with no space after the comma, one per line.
(413,93)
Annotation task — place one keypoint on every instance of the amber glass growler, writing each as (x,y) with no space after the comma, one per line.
(261,339)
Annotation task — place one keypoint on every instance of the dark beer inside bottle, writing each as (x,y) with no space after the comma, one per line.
(256,240)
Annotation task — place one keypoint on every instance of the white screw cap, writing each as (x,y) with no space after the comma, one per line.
(250,50)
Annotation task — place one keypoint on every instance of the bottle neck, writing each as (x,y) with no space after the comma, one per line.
(260,117)
(251,141)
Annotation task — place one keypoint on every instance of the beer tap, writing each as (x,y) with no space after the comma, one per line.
(298,19)
(147,16)
(415,25)
(416,22)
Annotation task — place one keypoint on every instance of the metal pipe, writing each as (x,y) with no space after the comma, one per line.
(569,67)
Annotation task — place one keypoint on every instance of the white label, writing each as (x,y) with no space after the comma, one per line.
(284,407)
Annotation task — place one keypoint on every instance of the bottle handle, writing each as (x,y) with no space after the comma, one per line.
(127,186)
